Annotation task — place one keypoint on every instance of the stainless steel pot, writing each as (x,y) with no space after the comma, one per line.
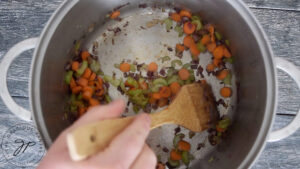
(254,67)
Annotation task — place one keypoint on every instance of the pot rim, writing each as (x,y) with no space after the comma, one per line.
(239,6)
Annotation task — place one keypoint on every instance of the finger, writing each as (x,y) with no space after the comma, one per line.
(146,159)
(114,109)
(130,142)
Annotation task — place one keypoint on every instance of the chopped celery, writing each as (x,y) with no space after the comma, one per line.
(169,23)
(132,68)
(141,80)
(171,79)
(68,76)
(77,46)
(198,23)
(107,98)
(116,82)
(173,163)
(224,123)
(95,66)
(229,60)
(82,68)
(160,81)
(156,88)
(201,47)
(132,82)
(174,62)
(136,108)
(122,85)
(165,58)
(218,35)
(187,65)
(179,30)
(227,79)
(171,72)
(107,78)
(117,66)
(227,42)
(185,158)
(177,138)
(135,92)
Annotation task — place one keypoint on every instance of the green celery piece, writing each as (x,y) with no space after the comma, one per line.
(82,68)
(174,62)
(177,138)
(194,17)
(132,82)
(229,60)
(171,79)
(77,46)
(179,30)
(173,163)
(170,71)
(227,42)
(198,23)
(141,80)
(224,123)
(135,92)
(156,88)
(107,98)
(227,79)
(187,65)
(201,47)
(218,35)
(116,82)
(132,68)
(117,66)
(107,78)
(160,81)
(68,76)
(122,85)
(185,158)
(169,24)
(95,66)
(165,58)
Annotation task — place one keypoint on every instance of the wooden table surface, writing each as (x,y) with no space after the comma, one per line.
(22,19)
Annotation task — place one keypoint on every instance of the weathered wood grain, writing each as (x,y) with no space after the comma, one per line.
(274,4)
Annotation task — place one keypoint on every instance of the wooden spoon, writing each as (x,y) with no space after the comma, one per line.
(193,108)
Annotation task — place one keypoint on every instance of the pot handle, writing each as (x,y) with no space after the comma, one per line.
(7,59)
(288,130)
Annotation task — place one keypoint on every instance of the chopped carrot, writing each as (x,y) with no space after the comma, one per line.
(152,100)
(85,55)
(144,86)
(185,13)
(82,82)
(162,102)
(156,96)
(211,30)
(174,155)
(88,88)
(75,65)
(165,92)
(217,62)
(210,67)
(93,102)
(125,67)
(91,83)
(87,95)
(81,111)
(184,146)
(219,129)
(194,51)
(100,92)
(152,67)
(87,73)
(188,41)
(175,87)
(179,47)
(114,14)
(128,84)
(226,92)
(72,83)
(205,40)
(189,28)
(176,17)
(222,74)
(226,52)
(218,52)
(92,77)
(184,74)
(76,89)
(100,81)
(211,46)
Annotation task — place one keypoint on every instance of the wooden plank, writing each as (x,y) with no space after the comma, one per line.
(274,4)
(282,154)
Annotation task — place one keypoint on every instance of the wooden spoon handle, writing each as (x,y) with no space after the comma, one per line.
(89,139)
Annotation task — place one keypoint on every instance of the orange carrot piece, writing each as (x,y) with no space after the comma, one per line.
(226,92)
(93,102)
(152,100)
(211,30)
(91,83)
(85,55)
(226,52)
(205,40)
(188,41)
(174,155)
(221,130)
(156,96)
(162,102)
(76,90)
(100,93)
(218,52)
(72,83)
(75,65)
(125,67)
(81,111)
(92,77)
(82,82)
(217,62)
(186,13)
(87,95)
(222,74)
(179,47)
(88,88)
(211,46)
(189,28)
(194,51)
(152,67)
(87,73)
(114,14)
(100,81)
(176,17)
(184,146)
(184,74)
(165,92)
(175,87)
(210,67)
(144,86)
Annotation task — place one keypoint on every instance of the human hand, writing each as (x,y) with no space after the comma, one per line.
(127,150)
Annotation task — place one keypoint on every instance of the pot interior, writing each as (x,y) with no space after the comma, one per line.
(247,106)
